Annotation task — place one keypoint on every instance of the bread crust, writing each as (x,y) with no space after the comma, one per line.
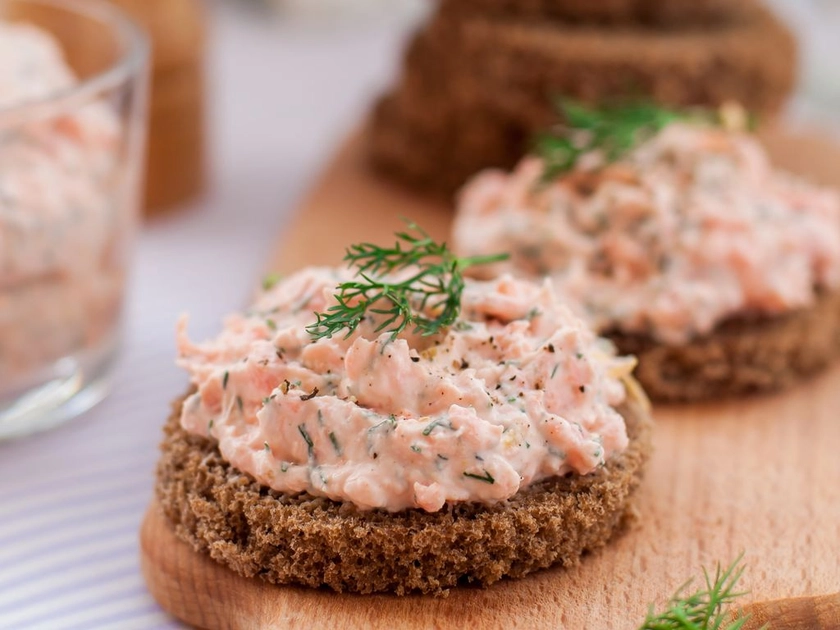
(742,356)
(520,66)
(316,542)
(475,92)
(660,13)
(439,149)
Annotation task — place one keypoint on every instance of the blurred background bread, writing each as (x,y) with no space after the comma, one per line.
(176,144)
(495,68)
(653,12)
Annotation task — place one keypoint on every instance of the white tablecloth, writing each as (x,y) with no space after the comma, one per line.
(71,501)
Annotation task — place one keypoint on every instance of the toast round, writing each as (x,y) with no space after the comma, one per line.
(438,149)
(660,13)
(742,356)
(475,92)
(316,542)
(520,66)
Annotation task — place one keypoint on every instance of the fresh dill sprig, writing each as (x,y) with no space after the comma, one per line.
(613,130)
(706,609)
(429,298)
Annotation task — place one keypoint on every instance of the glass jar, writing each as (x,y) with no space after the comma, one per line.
(73,100)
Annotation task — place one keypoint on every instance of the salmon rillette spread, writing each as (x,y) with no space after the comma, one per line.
(61,271)
(517,390)
(691,228)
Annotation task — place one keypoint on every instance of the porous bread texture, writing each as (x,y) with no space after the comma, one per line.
(475,92)
(316,542)
(437,151)
(742,356)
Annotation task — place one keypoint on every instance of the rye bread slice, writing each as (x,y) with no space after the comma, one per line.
(518,67)
(316,542)
(742,356)
(658,13)
(475,92)
(437,149)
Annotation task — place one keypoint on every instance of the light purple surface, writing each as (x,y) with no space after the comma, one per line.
(71,501)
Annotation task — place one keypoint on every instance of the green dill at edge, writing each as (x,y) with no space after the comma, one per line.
(705,609)
(225,379)
(271,280)
(613,130)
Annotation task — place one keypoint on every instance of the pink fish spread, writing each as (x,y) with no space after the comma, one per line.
(690,229)
(61,267)
(517,391)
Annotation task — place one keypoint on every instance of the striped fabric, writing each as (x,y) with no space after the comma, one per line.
(72,500)
(70,505)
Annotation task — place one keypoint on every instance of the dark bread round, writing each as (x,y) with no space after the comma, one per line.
(475,92)
(521,66)
(660,13)
(316,542)
(437,149)
(742,356)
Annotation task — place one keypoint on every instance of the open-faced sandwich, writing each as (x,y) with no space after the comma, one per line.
(396,427)
(674,237)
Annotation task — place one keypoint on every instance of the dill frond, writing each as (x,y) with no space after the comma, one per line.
(429,299)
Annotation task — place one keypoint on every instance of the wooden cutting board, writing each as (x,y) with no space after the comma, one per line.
(759,476)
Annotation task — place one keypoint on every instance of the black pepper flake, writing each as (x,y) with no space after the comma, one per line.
(310,396)
(582,388)
(415,359)
(551,348)
(464,364)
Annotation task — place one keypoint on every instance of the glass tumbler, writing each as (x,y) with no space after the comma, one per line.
(73,101)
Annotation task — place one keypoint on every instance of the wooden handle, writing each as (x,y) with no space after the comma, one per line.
(802,613)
